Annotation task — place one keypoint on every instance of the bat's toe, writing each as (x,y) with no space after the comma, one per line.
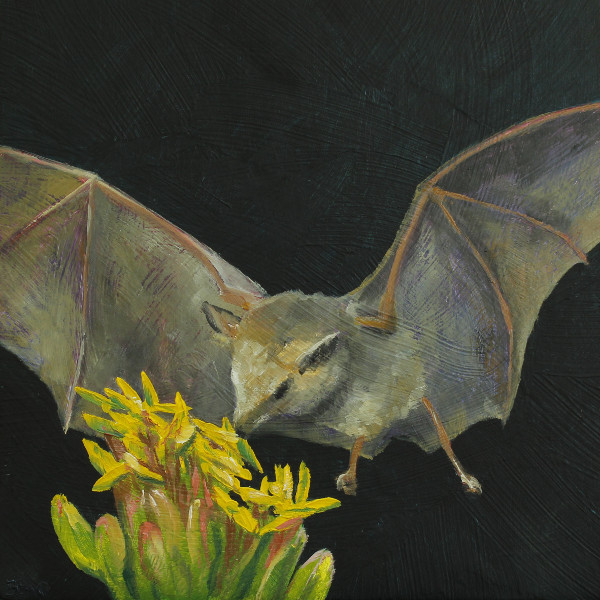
(471,484)
(346,483)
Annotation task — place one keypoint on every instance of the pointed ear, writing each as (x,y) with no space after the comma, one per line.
(318,353)
(221,320)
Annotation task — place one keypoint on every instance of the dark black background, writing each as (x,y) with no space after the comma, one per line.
(289,137)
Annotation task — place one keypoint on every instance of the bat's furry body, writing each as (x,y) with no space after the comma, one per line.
(94,285)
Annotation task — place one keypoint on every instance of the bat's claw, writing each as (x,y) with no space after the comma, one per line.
(346,483)
(471,484)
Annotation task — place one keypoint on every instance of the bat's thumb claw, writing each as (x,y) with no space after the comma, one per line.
(347,483)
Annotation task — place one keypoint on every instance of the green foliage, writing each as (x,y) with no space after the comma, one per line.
(187,528)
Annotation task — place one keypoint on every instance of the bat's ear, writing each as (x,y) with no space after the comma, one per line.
(318,353)
(221,320)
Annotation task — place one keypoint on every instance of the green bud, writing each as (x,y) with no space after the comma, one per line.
(313,579)
(75,535)
(151,548)
(110,546)
(281,566)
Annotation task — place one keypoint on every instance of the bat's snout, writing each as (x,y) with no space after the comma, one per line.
(247,421)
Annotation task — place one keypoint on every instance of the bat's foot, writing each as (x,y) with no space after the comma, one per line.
(346,483)
(471,483)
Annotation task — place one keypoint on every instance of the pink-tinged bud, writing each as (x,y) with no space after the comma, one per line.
(152,550)
(110,546)
(102,527)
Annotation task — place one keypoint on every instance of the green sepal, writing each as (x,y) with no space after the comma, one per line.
(216,549)
(282,566)
(313,579)
(247,576)
(197,545)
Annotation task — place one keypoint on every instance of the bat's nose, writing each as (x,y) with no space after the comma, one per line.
(242,420)
(247,421)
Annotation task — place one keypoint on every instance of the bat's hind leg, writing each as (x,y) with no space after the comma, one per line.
(471,484)
(346,482)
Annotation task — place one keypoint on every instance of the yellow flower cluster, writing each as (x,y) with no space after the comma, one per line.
(180,451)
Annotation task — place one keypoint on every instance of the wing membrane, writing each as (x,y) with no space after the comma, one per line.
(95,286)
(524,206)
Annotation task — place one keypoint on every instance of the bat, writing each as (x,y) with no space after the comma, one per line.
(95,286)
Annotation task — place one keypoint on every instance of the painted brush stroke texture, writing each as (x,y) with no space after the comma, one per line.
(290,138)
(446,315)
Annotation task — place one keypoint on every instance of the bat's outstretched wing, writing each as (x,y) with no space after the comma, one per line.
(487,238)
(93,285)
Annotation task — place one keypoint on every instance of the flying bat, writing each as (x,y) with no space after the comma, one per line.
(93,285)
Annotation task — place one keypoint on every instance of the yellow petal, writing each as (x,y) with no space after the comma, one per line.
(101,460)
(128,390)
(322,504)
(150,394)
(244,518)
(283,485)
(140,469)
(224,460)
(264,485)
(310,508)
(225,501)
(97,399)
(166,407)
(102,425)
(227,426)
(126,422)
(126,403)
(157,422)
(279,524)
(288,482)
(220,475)
(181,428)
(110,478)
(135,446)
(180,404)
(240,514)
(303,484)
(217,434)
(249,494)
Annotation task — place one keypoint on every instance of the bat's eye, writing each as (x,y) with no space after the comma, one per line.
(318,354)
(282,389)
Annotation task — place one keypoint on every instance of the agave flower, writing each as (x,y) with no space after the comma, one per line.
(187,527)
